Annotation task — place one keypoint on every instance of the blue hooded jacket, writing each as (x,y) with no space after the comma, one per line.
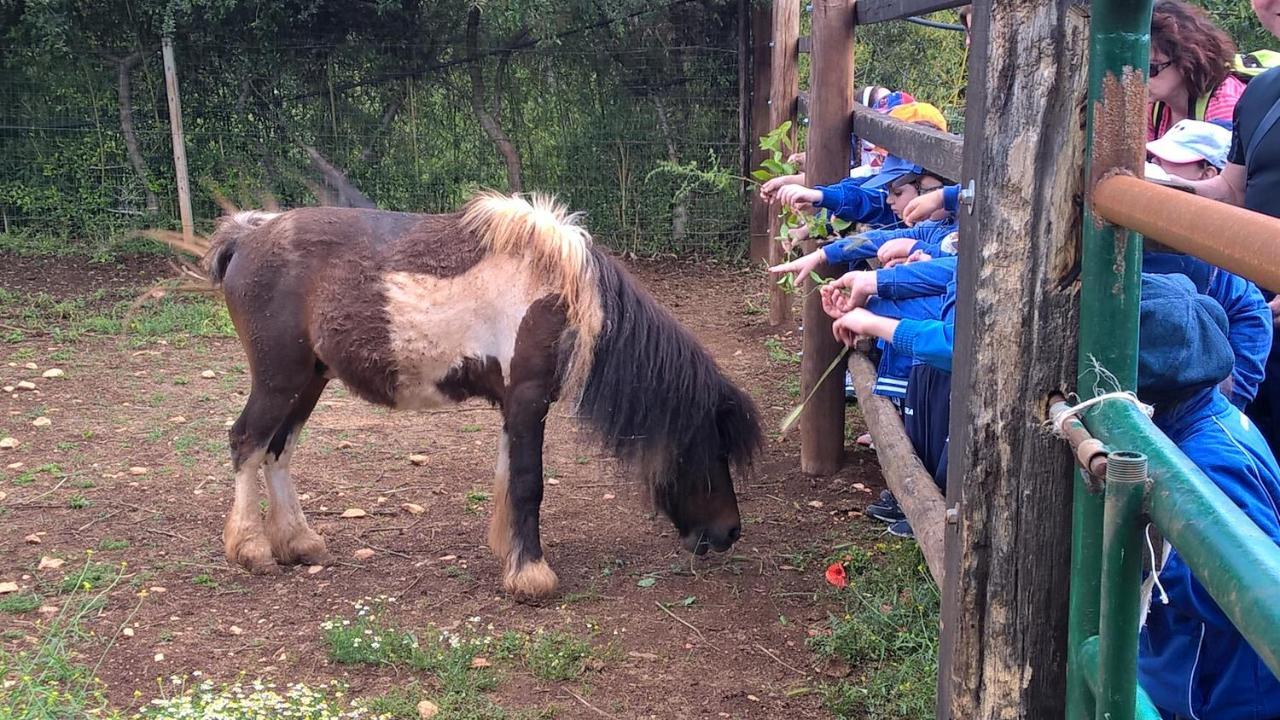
(1248,316)
(1191,660)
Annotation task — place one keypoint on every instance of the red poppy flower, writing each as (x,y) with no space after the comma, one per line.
(836,575)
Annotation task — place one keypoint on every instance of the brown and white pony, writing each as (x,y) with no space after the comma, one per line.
(507,300)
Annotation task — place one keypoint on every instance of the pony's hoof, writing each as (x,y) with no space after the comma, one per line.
(302,547)
(532,582)
(254,555)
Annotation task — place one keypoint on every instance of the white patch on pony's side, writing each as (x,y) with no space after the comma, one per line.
(254,218)
(436,323)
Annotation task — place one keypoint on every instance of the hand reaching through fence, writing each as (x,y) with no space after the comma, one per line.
(923,207)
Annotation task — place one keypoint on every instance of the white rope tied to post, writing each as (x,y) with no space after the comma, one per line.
(1059,421)
(1106,387)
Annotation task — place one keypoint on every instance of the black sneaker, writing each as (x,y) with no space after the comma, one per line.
(901,529)
(885,509)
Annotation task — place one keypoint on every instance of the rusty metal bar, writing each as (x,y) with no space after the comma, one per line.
(1243,242)
(1090,452)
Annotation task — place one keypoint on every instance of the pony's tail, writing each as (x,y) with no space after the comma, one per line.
(558,249)
(222,245)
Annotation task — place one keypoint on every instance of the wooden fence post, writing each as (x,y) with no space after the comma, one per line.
(179,143)
(1004,650)
(761,79)
(830,103)
(783,88)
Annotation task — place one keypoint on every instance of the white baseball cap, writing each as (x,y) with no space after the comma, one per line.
(1191,141)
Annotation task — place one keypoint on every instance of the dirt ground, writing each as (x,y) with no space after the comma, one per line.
(138,436)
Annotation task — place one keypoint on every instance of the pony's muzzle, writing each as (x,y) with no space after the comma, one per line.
(699,542)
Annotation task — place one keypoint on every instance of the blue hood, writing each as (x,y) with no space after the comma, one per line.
(1183,344)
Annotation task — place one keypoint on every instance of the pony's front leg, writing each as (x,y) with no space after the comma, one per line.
(513,530)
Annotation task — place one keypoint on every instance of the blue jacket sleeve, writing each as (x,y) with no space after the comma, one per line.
(916,279)
(864,246)
(1250,332)
(848,200)
(951,199)
(930,341)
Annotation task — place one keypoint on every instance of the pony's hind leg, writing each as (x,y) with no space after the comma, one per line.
(271,404)
(243,538)
(292,540)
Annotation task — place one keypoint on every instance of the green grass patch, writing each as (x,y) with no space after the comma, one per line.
(30,476)
(52,680)
(888,632)
(109,544)
(462,675)
(475,500)
(20,603)
(557,655)
(103,312)
(780,354)
(90,576)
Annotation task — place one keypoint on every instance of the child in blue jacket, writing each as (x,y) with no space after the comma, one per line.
(927,341)
(1248,316)
(1191,660)
(904,181)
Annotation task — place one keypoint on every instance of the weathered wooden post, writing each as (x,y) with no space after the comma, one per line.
(179,141)
(761,78)
(830,103)
(1004,648)
(783,88)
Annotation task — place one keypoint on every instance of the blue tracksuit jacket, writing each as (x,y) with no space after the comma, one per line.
(894,367)
(1247,312)
(924,340)
(928,236)
(848,200)
(1191,660)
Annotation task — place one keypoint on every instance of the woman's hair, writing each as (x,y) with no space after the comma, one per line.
(1200,50)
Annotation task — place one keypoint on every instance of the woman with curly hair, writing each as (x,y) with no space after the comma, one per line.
(1189,77)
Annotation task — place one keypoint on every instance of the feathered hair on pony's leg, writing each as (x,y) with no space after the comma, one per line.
(552,239)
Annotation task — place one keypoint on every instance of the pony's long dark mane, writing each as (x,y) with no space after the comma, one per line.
(655,397)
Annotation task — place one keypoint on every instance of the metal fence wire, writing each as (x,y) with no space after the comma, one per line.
(591,126)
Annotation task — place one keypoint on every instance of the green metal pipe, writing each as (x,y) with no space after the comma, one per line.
(1121,585)
(1119,35)
(1145,709)
(1235,561)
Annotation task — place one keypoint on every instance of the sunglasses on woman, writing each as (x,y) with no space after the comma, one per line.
(1155,68)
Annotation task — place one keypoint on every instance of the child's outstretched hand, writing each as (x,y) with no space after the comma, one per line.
(923,207)
(801,266)
(897,249)
(769,190)
(801,199)
(848,292)
(848,327)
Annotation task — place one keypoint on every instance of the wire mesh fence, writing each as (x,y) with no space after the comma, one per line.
(88,154)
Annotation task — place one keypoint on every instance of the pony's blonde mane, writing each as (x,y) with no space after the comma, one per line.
(558,249)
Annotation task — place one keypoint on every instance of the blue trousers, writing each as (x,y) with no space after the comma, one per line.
(927,415)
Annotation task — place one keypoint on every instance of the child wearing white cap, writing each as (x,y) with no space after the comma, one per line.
(1191,149)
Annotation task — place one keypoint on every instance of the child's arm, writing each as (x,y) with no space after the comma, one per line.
(1249,331)
(916,279)
(848,200)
